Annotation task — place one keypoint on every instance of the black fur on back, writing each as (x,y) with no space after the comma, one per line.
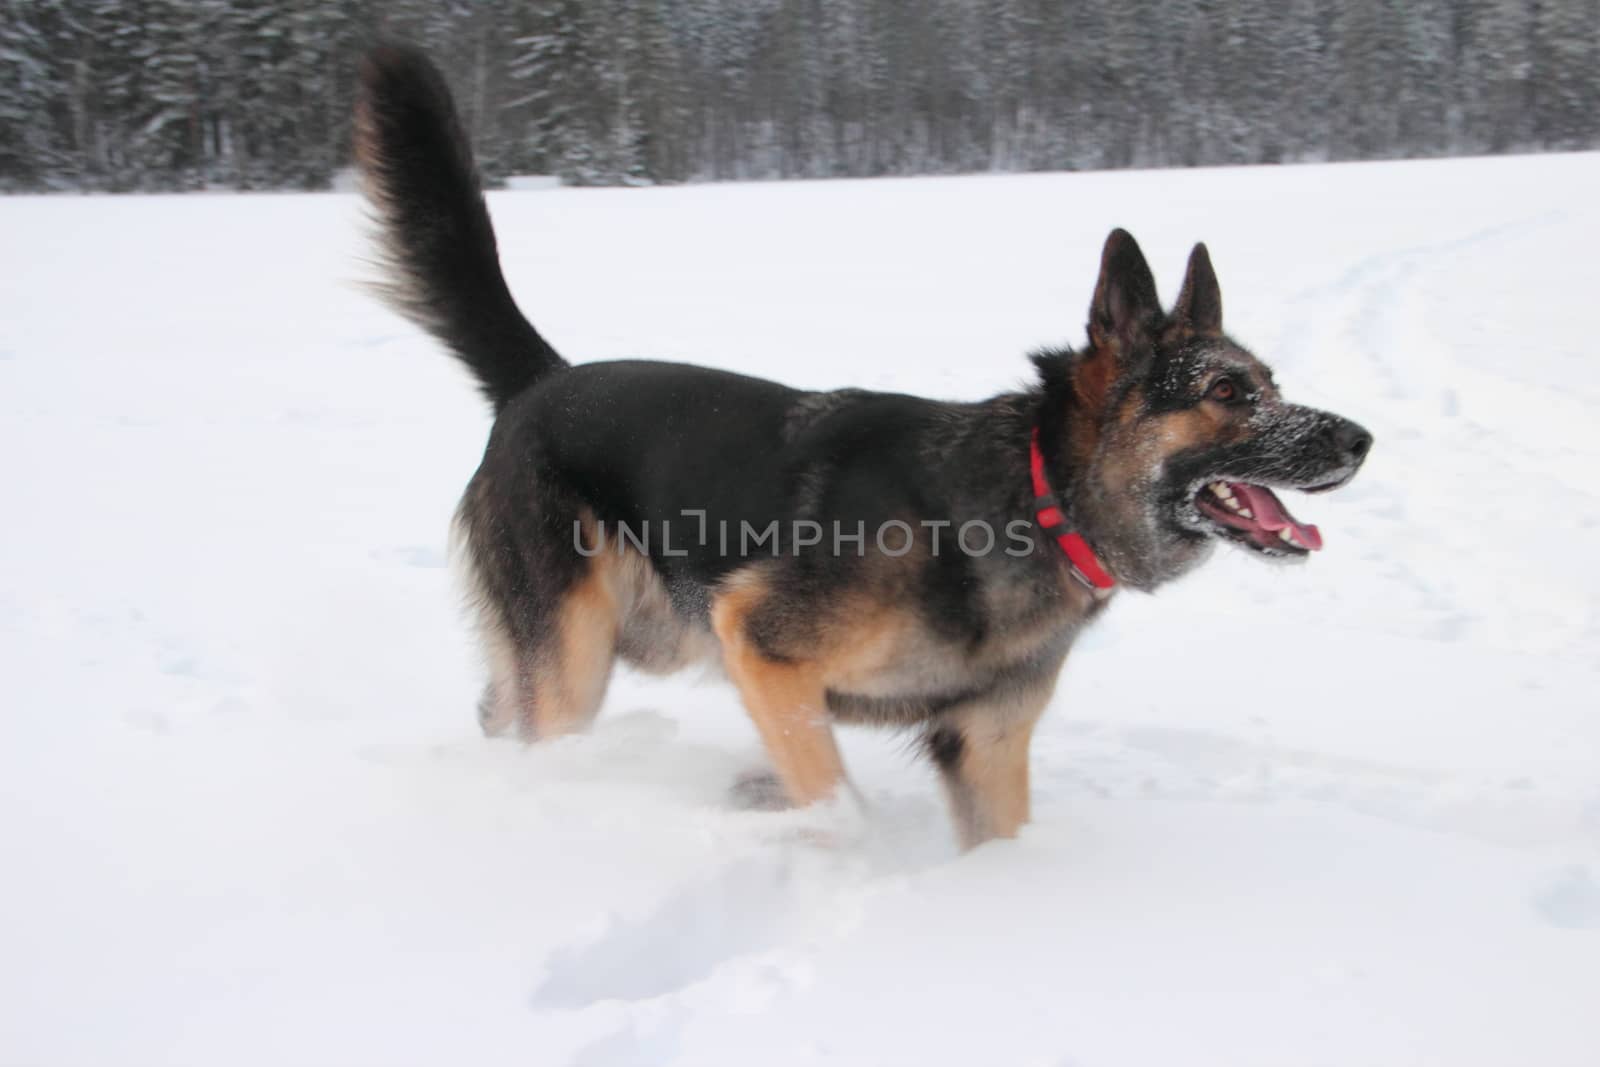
(442,269)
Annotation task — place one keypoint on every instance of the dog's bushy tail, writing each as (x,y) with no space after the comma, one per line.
(441,267)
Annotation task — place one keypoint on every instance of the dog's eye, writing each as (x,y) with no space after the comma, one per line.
(1224,390)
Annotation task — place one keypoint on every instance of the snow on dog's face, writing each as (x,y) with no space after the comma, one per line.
(1180,434)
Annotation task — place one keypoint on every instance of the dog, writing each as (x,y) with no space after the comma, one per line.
(870,593)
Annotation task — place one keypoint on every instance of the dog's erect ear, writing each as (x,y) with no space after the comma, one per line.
(1124,317)
(1125,309)
(1199,307)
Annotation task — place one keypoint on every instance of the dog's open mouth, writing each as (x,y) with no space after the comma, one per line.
(1254,516)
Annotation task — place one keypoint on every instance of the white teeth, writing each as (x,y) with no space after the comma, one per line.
(1286,535)
(1222,490)
(1246,513)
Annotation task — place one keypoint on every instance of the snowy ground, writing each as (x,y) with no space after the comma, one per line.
(1344,814)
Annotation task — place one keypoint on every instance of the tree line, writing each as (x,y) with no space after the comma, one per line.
(186,94)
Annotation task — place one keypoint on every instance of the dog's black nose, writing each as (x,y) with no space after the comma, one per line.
(1352,439)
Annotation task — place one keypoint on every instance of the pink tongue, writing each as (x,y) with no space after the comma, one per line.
(1270,515)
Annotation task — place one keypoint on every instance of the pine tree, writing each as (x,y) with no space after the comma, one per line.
(166,139)
(1500,76)
(564,91)
(34,150)
(1565,50)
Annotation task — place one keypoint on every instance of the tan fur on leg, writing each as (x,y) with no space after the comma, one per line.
(787,702)
(987,778)
(568,679)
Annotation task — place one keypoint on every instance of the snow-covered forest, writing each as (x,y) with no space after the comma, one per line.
(181,94)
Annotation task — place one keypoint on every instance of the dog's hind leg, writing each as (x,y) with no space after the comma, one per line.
(982,754)
(566,674)
(500,707)
(549,626)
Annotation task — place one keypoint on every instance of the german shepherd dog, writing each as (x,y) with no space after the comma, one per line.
(870,598)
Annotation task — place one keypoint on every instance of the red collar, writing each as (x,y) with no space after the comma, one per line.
(1086,565)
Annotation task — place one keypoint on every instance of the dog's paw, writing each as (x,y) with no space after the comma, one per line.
(759,791)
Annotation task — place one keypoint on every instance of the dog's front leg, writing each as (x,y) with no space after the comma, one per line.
(788,703)
(982,754)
